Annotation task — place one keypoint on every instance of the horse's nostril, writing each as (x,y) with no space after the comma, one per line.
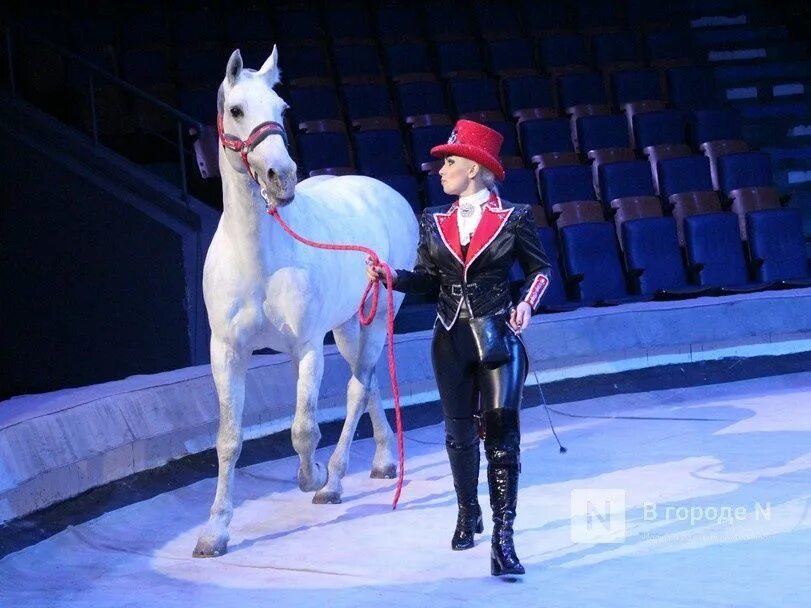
(271,173)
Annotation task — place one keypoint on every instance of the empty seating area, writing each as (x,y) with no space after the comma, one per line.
(624,123)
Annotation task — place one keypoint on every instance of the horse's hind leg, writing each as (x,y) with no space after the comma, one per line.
(305,432)
(228,368)
(361,348)
(384,466)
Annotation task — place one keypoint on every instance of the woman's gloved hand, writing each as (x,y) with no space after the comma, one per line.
(376,272)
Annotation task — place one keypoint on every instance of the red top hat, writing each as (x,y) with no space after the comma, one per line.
(476,142)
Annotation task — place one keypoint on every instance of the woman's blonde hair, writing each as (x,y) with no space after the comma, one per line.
(489,179)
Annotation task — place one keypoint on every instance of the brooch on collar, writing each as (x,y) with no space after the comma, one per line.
(466,209)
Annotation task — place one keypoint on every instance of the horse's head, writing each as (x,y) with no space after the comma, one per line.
(251,127)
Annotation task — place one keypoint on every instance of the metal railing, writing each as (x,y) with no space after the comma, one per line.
(185,124)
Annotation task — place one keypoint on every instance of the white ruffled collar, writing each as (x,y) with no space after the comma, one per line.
(477,198)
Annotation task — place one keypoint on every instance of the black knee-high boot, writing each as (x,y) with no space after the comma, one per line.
(465,469)
(502,446)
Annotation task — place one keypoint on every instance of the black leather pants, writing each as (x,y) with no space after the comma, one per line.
(468,389)
(471,392)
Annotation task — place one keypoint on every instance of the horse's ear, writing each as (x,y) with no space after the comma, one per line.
(234,68)
(270,69)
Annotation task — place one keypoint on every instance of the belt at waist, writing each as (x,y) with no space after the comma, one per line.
(456,289)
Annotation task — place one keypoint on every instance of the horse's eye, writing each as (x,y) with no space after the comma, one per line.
(236,112)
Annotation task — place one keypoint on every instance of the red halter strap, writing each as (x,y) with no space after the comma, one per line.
(257,136)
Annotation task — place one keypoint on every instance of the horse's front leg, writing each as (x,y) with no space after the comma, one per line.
(228,368)
(305,432)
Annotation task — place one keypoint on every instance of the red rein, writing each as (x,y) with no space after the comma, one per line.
(374,287)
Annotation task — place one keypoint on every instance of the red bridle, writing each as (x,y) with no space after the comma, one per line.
(257,136)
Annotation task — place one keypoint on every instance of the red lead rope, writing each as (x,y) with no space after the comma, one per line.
(374,287)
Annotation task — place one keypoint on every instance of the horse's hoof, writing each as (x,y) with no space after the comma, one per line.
(208,548)
(327,498)
(318,481)
(387,472)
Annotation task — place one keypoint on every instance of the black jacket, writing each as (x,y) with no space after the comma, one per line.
(506,232)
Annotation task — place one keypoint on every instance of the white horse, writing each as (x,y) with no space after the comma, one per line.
(264,289)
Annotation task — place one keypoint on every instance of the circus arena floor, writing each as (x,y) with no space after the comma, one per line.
(692,497)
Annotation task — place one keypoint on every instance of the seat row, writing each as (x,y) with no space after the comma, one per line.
(592,265)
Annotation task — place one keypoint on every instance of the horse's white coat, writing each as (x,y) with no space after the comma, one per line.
(263,289)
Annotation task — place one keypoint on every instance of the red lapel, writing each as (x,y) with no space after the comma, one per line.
(493,220)
(449,231)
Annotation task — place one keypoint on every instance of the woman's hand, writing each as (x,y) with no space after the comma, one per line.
(378,273)
(519,317)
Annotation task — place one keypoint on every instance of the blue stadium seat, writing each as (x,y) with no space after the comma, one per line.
(684,174)
(565,184)
(314,103)
(459,57)
(746,169)
(519,186)
(366,101)
(624,179)
(563,51)
(380,152)
(543,136)
(474,95)
(777,246)
(599,132)
(357,62)
(635,85)
(592,263)
(420,97)
(581,88)
(653,256)
(659,127)
(714,250)
(323,149)
(712,125)
(527,92)
(303,61)
(510,55)
(408,58)
(616,48)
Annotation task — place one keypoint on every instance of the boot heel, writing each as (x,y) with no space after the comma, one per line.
(495,567)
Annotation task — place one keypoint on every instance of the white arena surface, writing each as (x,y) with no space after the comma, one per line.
(694,497)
